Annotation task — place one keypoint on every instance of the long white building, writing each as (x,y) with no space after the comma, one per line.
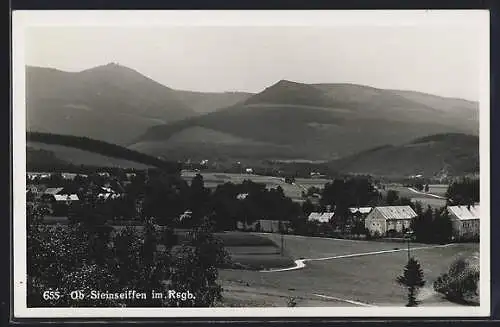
(465,221)
(391,218)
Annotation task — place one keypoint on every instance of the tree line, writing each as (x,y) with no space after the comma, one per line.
(103,148)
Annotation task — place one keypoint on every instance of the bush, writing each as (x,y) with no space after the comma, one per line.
(291,302)
(460,283)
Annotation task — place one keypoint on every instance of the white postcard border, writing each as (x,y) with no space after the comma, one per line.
(24,19)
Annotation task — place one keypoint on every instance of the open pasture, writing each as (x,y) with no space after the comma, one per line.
(366,278)
(254,252)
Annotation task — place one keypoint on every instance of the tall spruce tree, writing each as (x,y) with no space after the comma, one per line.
(413,279)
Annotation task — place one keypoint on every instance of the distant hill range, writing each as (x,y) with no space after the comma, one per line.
(431,156)
(291,120)
(286,121)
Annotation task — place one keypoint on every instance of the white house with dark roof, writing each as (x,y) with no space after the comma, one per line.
(242,196)
(321,217)
(58,194)
(391,218)
(106,193)
(360,210)
(465,221)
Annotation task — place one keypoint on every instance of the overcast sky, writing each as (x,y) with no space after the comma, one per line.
(441,60)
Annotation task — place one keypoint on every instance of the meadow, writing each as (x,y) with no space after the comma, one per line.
(293,191)
(367,279)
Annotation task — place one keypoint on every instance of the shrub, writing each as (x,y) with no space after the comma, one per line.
(460,283)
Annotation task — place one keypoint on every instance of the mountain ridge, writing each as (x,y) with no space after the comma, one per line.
(327,120)
(106,102)
(321,121)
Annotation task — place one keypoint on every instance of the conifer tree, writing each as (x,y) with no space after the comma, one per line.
(413,279)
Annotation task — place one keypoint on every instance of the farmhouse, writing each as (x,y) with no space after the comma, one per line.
(357,215)
(392,219)
(465,221)
(36,189)
(186,215)
(107,193)
(321,217)
(242,196)
(58,194)
(265,225)
(360,210)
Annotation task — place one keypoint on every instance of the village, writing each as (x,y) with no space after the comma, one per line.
(385,218)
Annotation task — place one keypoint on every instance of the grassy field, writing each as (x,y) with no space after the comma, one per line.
(429,199)
(366,279)
(438,189)
(254,252)
(433,203)
(293,191)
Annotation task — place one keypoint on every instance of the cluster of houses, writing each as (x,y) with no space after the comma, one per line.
(266,226)
(395,220)
(59,198)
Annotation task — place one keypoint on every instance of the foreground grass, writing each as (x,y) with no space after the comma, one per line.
(368,279)
(254,252)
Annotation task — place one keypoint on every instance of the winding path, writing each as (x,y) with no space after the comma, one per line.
(429,194)
(300,264)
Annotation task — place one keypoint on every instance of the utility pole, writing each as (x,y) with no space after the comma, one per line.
(282,241)
(408,249)
(282,238)
(408,237)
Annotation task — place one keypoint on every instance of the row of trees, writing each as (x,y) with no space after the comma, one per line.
(255,202)
(431,226)
(464,191)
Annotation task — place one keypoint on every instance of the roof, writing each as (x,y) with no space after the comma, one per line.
(464,212)
(242,196)
(53,190)
(108,189)
(322,217)
(360,209)
(396,212)
(106,196)
(66,197)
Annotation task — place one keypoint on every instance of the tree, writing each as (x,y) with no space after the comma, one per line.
(422,225)
(198,198)
(463,192)
(392,197)
(196,262)
(413,279)
(358,228)
(442,226)
(307,207)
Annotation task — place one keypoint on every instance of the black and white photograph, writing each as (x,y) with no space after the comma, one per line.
(251,163)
